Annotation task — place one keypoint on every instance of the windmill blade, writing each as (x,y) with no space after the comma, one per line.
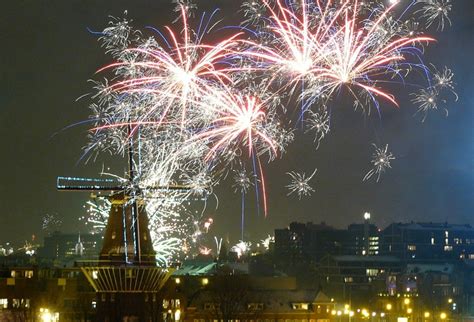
(88,184)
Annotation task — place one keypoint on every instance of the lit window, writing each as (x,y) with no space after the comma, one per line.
(446,234)
(412,247)
(471,256)
(348,279)
(446,241)
(448,248)
(372,272)
(4,303)
(28,274)
(432,241)
(95,275)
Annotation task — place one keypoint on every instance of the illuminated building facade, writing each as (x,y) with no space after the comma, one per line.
(428,241)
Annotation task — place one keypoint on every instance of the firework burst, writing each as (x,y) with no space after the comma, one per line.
(380,161)
(318,122)
(300,184)
(436,12)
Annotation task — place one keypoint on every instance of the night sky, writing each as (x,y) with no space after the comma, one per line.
(47,55)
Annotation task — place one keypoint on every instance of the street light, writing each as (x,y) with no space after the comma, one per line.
(406,301)
(427,314)
(442,316)
(46,316)
(367,215)
(177,315)
(388,306)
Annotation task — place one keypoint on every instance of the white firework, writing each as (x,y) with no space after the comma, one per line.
(97,214)
(436,12)
(380,161)
(267,242)
(444,79)
(51,222)
(319,123)
(427,100)
(200,184)
(300,184)
(242,181)
(242,248)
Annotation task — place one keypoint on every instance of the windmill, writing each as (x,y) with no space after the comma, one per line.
(127,264)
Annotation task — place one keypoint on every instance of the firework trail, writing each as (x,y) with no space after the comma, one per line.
(242,183)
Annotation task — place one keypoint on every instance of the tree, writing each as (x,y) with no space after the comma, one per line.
(230,296)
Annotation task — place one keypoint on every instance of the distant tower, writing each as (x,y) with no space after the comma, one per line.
(79,246)
(366,234)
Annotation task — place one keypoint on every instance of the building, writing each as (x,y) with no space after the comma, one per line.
(427,241)
(358,278)
(311,242)
(364,239)
(29,292)
(64,247)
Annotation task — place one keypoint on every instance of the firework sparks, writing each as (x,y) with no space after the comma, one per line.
(205,251)
(436,12)
(326,47)
(300,184)
(51,222)
(381,162)
(242,182)
(267,242)
(241,248)
(436,96)
(97,214)
(319,123)
(427,100)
